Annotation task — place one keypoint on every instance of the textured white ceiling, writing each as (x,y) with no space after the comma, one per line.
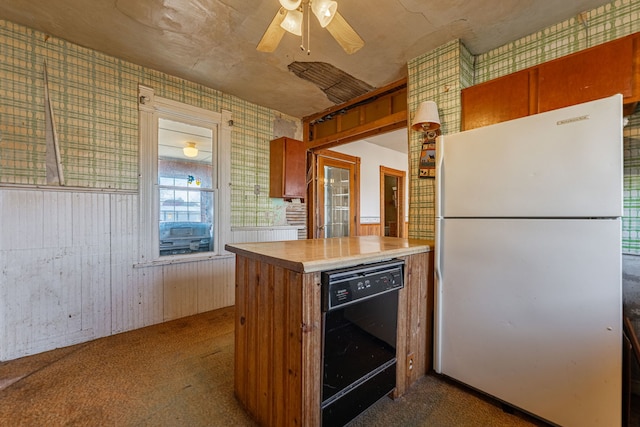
(213,42)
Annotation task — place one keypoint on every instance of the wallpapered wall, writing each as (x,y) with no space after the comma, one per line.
(441,74)
(94,102)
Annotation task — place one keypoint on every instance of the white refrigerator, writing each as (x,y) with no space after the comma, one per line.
(528,262)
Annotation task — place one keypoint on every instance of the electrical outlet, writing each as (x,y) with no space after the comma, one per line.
(256,189)
(410,361)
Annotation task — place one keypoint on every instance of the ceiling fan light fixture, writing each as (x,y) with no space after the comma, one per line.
(324,10)
(290,4)
(293,22)
(190,150)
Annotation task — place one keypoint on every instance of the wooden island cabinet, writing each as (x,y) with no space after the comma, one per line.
(278,321)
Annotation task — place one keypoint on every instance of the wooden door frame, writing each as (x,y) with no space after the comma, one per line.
(391,98)
(313,211)
(402,179)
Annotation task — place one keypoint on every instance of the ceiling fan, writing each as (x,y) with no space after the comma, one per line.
(290,18)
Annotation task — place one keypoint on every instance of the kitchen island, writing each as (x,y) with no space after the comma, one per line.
(278,321)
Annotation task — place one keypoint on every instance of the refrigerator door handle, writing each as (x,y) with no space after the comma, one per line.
(437,327)
(439,176)
(437,294)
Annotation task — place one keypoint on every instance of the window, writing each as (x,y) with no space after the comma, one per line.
(186,187)
(184,155)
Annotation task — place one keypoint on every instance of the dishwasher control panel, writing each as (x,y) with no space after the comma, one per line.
(347,285)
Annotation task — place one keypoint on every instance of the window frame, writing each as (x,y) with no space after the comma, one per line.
(151,108)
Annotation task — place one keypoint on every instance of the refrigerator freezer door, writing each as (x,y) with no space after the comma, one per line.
(563,163)
(529,311)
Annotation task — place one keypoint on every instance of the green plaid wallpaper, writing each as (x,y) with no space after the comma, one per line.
(94,102)
(436,77)
(631,218)
(427,81)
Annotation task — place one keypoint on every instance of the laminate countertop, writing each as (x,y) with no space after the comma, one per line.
(312,255)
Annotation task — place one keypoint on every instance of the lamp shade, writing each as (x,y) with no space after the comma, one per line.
(324,10)
(290,4)
(426,117)
(190,150)
(293,22)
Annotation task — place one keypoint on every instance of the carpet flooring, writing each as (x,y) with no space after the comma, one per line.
(180,373)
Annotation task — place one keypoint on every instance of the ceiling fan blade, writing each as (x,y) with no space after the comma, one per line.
(271,38)
(344,34)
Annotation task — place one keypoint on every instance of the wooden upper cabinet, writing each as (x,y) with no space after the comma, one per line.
(379,111)
(587,75)
(287,169)
(597,72)
(497,100)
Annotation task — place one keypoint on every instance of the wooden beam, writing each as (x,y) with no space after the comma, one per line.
(376,112)
(380,126)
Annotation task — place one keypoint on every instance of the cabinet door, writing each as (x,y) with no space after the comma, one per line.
(287,168)
(497,100)
(588,75)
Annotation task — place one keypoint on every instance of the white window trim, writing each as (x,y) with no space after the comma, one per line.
(150,108)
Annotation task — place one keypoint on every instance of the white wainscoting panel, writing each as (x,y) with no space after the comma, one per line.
(69,270)
(216,284)
(55,255)
(136,293)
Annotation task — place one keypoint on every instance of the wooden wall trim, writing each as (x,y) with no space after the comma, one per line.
(400,195)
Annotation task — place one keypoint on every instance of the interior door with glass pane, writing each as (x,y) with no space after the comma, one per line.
(337,198)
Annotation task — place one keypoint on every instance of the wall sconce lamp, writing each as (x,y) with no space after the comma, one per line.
(427,121)
(190,150)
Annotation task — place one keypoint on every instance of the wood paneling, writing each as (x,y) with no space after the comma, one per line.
(420,313)
(375,230)
(415,322)
(278,334)
(370,230)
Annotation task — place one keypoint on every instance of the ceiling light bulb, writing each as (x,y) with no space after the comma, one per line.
(293,22)
(290,4)
(324,10)
(190,150)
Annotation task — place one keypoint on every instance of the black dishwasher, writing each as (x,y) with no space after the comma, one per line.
(360,316)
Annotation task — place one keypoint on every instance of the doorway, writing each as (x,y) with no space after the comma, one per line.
(392,203)
(338,190)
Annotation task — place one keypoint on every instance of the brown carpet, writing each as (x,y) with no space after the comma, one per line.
(180,373)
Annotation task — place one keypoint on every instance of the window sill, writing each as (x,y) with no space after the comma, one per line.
(181,259)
